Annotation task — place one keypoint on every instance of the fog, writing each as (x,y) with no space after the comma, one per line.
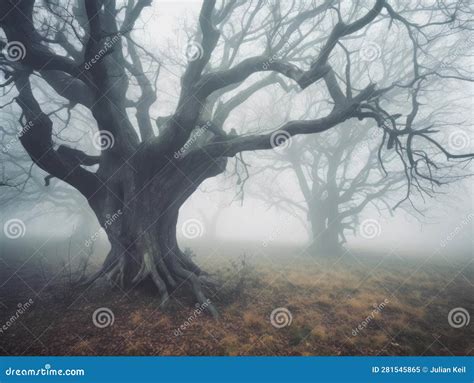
(239,216)
(253,220)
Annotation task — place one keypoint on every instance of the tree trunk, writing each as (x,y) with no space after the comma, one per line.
(325,232)
(139,212)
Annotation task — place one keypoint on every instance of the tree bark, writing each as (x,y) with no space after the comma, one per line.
(139,212)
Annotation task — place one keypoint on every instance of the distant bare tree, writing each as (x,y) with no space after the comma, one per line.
(339,175)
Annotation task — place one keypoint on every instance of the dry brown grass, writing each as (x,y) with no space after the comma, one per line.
(328,298)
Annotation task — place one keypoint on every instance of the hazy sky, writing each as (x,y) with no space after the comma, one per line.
(252,220)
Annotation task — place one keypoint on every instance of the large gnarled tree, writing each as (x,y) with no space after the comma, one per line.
(87,54)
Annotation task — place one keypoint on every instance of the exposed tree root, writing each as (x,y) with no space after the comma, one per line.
(167,272)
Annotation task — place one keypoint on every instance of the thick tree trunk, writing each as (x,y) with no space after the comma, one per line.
(325,232)
(139,212)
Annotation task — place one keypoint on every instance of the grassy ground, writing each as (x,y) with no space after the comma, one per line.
(356,304)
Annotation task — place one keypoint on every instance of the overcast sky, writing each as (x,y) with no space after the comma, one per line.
(449,213)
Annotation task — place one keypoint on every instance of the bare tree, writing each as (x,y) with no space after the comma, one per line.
(85,52)
(339,175)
